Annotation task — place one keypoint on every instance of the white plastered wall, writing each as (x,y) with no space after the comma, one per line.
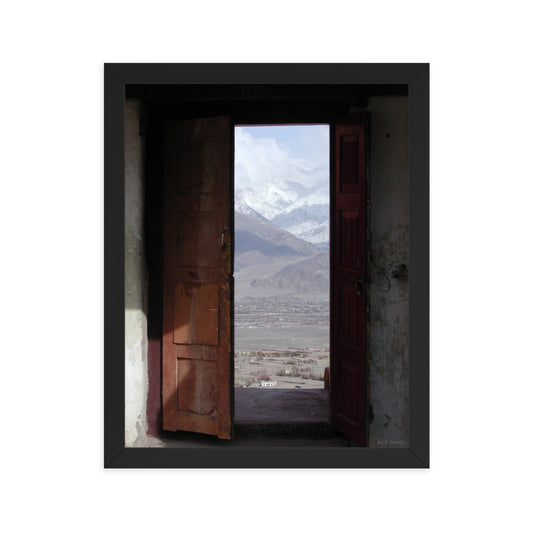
(136,346)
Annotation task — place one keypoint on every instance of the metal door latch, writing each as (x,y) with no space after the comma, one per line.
(358,285)
(223,238)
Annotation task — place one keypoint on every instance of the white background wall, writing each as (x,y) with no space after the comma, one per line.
(51,218)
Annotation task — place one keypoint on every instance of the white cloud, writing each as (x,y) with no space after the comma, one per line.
(263,160)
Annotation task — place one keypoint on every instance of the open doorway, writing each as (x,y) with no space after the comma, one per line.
(282,273)
(198,392)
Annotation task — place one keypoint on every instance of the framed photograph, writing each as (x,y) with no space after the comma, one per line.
(266,266)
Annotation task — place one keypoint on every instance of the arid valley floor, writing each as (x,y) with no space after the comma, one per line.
(281,343)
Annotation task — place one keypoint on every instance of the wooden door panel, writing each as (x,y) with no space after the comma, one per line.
(349,313)
(198,239)
(350,417)
(197,277)
(350,397)
(348,280)
(349,162)
(196,313)
(349,242)
(197,386)
(199,158)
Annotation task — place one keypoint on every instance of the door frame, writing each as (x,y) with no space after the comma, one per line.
(359,437)
(154,407)
(155,345)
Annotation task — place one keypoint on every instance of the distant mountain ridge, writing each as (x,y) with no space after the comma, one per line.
(308,222)
(302,211)
(272,261)
(254,233)
(303,277)
(246,241)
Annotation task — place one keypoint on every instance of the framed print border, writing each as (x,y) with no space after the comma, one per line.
(116,79)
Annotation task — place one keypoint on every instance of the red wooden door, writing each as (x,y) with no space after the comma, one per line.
(348,280)
(197,277)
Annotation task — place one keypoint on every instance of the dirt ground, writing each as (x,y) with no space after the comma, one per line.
(281,342)
(288,369)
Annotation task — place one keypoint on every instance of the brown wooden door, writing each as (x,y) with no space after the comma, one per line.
(197,277)
(348,280)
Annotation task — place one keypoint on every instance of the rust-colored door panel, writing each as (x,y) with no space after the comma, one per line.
(197,276)
(348,279)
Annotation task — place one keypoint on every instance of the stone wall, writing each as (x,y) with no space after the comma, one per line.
(388,333)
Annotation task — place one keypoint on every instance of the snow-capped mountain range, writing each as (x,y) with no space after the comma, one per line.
(300,210)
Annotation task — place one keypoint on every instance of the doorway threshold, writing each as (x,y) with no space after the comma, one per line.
(302,415)
(274,406)
(285,414)
(271,418)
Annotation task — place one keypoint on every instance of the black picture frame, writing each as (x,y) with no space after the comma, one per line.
(416,78)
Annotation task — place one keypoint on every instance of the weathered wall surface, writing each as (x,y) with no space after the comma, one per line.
(388,295)
(135,280)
